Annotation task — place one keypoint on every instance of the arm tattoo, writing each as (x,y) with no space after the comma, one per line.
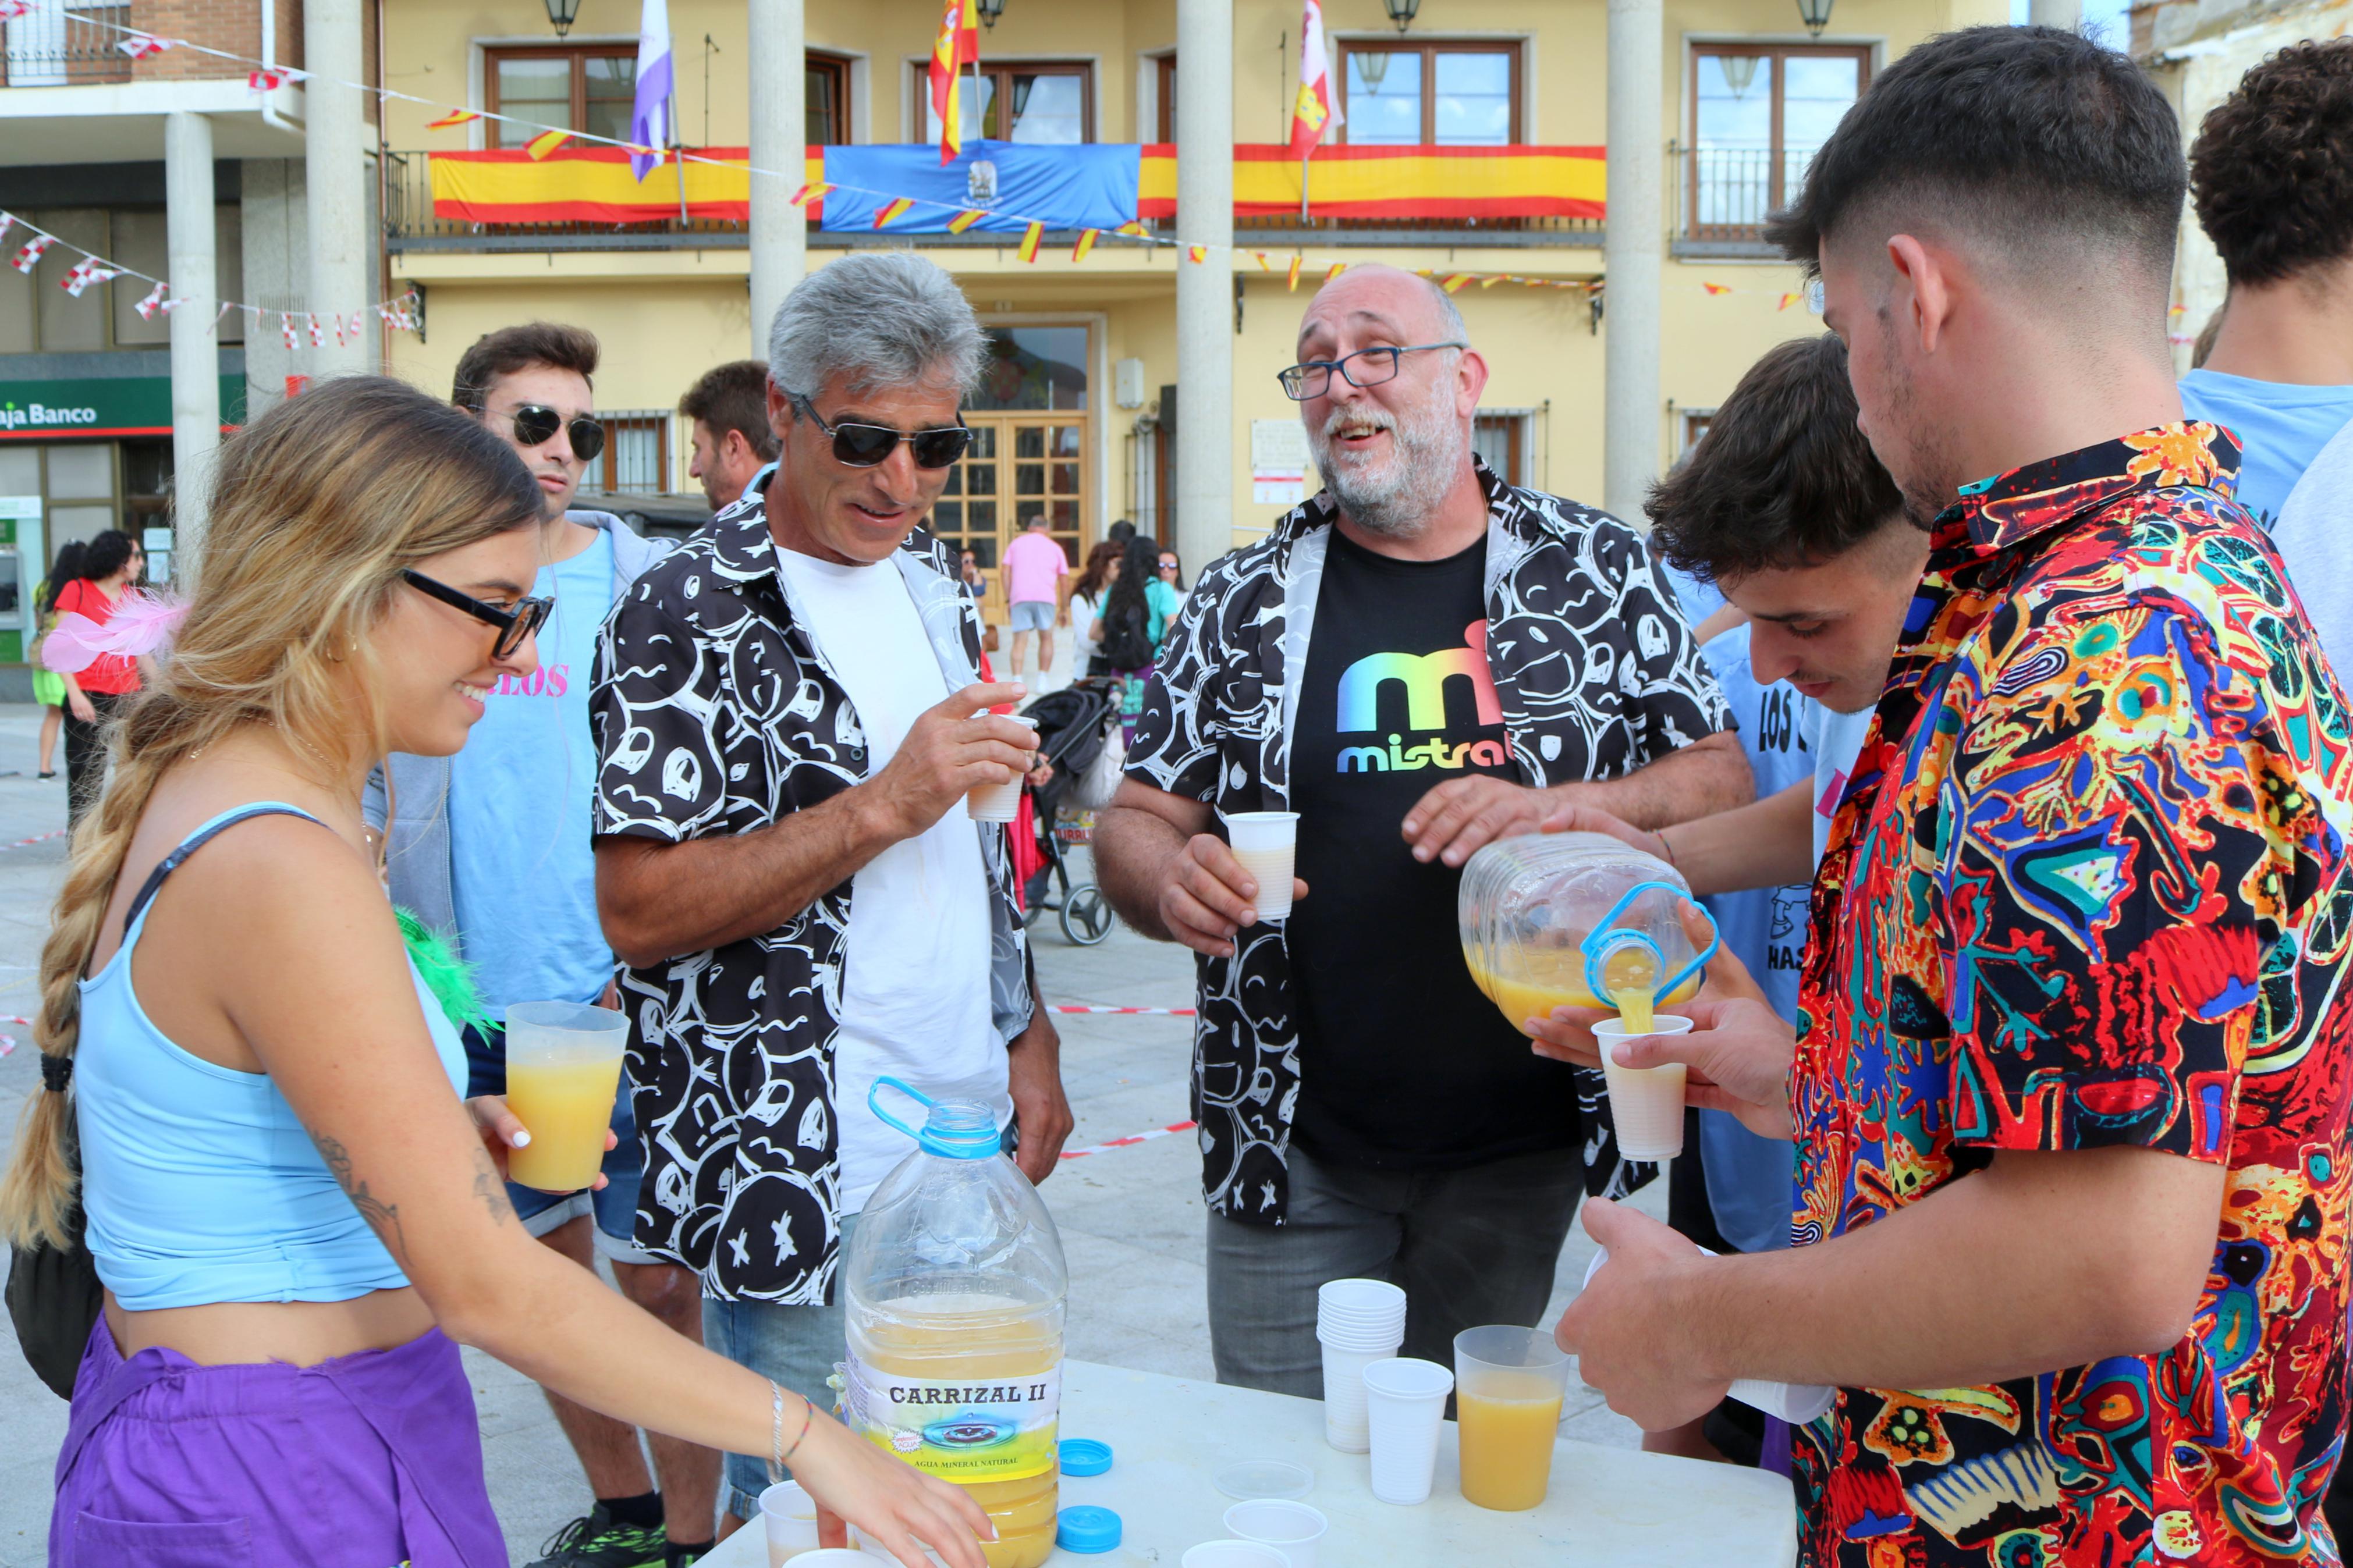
(382,1216)
(492,1191)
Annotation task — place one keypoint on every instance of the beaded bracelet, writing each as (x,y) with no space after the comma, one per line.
(778,1454)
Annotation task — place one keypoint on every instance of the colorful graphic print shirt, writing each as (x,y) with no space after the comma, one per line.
(2089,888)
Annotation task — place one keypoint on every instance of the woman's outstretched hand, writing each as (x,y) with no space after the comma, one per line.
(894,1505)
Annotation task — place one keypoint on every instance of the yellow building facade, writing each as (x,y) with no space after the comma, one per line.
(1749,92)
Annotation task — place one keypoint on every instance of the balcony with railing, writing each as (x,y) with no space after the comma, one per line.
(55,45)
(1721,196)
(585,197)
(81,43)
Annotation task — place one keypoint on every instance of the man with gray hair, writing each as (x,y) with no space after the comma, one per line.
(1423,659)
(789,719)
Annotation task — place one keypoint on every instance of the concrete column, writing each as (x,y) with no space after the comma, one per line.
(1205,291)
(195,358)
(1632,255)
(277,276)
(779,141)
(2064,15)
(343,259)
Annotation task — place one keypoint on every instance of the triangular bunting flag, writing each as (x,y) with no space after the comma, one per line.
(1263,263)
(1196,254)
(965,220)
(269,78)
(138,45)
(318,332)
(355,325)
(1453,280)
(546,141)
(454,117)
(29,255)
(1290,278)
(289,323)
(1337,268)
(8,222)
(1134,229)
(1787,301)
(1085,243)
(813,192)
(90,269)
(892,210)
(12,10)
(1717,288)
(152,303)
(1029,238)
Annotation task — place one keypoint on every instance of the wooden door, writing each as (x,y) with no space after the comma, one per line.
(1018,466)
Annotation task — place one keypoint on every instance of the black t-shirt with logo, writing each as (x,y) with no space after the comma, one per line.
(1404,1063)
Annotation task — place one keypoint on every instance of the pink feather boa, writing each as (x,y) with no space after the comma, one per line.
(142,624)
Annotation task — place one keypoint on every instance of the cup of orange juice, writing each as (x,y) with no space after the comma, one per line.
(1508,1384)
(564,1068)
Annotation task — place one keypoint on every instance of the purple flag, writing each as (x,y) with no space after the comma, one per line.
(650,124)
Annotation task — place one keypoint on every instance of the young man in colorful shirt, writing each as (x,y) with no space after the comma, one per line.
(2070,1098)
(1420,660)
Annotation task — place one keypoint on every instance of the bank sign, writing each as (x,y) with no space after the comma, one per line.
(101,406)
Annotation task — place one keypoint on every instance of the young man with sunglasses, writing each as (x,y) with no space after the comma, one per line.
(493,848)
(789,717)
(1420,659)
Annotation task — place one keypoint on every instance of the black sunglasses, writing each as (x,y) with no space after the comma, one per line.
(535,425)
(865,445)
(527,617)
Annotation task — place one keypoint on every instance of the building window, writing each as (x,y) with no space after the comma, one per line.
(1051,102)
(589,86)
(636,459)
(1760,112)
(1166,66)
(1695,422)
(1429,94)
(827,99)
(1501,441)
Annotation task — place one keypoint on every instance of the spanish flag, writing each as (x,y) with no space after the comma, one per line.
(1086,242)
(1134,229)
(1029,238)
(1263,263)
(965,220)
(1453,280)
(454,117)
(1787,301)
(958,45)
(1196,254)
(892,211)
(1292,281)
(1717,288)
(546,141)
(1337,268)
(813,192)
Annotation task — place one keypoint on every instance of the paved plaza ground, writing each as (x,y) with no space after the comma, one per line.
(1131,1218)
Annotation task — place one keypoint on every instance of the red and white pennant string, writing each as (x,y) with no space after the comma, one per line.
(1130,1142)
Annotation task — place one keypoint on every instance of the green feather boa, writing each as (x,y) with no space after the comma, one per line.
(447,977)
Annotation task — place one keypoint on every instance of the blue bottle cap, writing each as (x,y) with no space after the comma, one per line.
(1084,1457)
(1087,1530)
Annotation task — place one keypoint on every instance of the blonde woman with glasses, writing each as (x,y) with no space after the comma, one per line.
(296,1219)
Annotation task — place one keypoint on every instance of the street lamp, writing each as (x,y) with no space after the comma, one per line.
(1402,12)
(1815,13)
(562,13)
(990,10)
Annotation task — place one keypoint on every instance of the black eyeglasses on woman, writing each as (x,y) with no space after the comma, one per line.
(527,617)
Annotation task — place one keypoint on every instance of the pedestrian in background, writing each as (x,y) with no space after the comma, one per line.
(111,564)
(49,686)
(730,442)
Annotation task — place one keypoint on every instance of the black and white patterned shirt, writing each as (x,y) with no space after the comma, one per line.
(716,713)
(1597,672)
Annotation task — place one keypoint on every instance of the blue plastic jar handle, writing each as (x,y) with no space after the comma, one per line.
(874,1103)
(1603,939)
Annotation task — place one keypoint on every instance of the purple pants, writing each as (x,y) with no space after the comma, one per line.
(365,1461)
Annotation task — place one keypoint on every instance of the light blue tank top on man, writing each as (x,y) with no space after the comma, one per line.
(199,1182)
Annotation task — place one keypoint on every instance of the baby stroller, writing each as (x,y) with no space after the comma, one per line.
(1073,726)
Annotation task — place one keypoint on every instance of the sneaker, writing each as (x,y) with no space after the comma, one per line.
(594,1541)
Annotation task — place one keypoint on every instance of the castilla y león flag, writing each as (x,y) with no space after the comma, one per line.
(1316,106)
(958,45)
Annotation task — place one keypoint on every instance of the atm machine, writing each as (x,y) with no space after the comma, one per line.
(23,560)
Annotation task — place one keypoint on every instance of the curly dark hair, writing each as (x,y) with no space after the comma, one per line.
(2272,170)
(1783,479)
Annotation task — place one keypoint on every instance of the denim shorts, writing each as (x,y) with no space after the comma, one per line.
(615,1206)
(797,1347)
(1033,616)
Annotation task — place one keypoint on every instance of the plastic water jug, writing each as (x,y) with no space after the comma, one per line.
(1552,920)
(955,1287)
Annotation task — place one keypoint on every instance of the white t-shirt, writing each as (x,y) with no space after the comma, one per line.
(2315,535)
(914,988)
(1084,612)
(1836,740)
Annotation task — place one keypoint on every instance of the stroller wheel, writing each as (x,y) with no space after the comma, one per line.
(1086,919)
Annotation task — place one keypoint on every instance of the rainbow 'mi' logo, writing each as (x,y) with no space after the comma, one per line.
(1424,678)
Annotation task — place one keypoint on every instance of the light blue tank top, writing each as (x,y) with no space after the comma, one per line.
(198,1182)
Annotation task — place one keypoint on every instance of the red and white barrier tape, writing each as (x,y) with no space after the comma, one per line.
(1125,1142)
(1158,1012)
(8,1042)
(37,838)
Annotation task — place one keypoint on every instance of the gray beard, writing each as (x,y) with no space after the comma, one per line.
(1398,503)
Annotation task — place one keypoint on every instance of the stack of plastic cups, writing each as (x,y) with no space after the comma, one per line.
(1405,1405)
(1359,1321)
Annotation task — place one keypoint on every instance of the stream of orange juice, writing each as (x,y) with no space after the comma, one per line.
(1507,1425)
(567,1107)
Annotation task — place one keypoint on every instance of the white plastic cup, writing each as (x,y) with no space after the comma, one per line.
(1375,1299)
(563,1073)
(1405,1405)
(871,1549)
(1267,845)
(834,1557)
(1292,1527)
(1795,1402)
(1345,1419)
(790,1515)
(1236,1554)
(1646,1104)
(999,803)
